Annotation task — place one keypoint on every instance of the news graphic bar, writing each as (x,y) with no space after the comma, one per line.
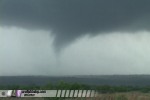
(48,93)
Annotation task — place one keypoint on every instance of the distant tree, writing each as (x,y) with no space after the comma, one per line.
(63,85)
(48,86)
(104,89)
(75,86)
(145,89)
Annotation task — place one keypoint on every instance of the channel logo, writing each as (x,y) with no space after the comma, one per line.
(14,93)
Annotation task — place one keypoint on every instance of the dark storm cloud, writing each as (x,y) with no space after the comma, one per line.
(70,19)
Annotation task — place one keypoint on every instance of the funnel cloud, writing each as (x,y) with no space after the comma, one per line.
(74,37)
(71,19)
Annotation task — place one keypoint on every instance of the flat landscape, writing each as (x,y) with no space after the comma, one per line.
(115,80)
(110,87)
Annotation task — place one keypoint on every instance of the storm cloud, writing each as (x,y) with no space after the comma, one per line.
(70,19)
(26,52)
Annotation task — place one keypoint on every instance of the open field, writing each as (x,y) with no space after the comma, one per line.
(115,80)
(124,96)
(109,87)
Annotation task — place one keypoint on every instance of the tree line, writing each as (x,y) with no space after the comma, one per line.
(77,86)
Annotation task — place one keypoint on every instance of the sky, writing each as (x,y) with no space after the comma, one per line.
(74,37)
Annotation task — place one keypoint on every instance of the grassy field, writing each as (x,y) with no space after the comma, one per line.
(124,96)
(106,92)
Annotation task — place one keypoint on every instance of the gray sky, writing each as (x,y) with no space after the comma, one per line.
(70,37)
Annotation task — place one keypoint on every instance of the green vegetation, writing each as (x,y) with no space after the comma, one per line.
(121,97)
(60,85)
(106,92)
(76,86)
